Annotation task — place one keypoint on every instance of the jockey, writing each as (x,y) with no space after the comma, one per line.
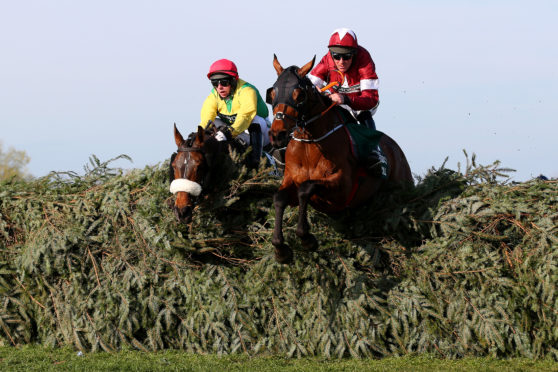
(351,66)
(237,109)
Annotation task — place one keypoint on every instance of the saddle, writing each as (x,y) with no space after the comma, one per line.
(365,145)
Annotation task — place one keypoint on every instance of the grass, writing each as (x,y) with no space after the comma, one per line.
(36,358)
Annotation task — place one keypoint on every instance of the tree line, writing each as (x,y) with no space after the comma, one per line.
(13,163)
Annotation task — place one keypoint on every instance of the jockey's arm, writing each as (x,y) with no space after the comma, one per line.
(209,110)
(366,100)
(368,97)
(317,81)
(318,75)
(248,102)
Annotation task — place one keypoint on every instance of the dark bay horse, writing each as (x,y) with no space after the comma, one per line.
(192,168)
(320,168)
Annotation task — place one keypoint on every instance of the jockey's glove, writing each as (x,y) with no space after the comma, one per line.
(224,134)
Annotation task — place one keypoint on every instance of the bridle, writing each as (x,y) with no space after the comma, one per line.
(182,183)
(283,95)
(187,150)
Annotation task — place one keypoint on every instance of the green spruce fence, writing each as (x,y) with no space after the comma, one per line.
(462,265)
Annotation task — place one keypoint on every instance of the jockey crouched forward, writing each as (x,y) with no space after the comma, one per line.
(237,109)
(352,67)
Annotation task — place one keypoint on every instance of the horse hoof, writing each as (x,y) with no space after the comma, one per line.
(310,243)
(284,254)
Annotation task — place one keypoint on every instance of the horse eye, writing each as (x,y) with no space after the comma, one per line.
(298,95)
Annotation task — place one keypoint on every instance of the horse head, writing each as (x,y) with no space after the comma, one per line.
(291,97)
(190,168)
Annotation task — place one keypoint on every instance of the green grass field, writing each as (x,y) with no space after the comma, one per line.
(35,358)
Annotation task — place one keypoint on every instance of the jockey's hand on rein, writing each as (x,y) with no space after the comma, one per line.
(224,134)
(337,98)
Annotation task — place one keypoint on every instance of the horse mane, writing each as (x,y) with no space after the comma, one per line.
(307,82)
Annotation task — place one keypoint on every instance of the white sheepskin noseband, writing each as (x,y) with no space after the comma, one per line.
(182,184)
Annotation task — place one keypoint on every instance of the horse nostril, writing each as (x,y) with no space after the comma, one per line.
(184,214)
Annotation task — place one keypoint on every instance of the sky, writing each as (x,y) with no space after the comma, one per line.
(111,77)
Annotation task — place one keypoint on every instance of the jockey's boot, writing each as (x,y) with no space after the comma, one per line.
(256,141)
(365,118)
(373,163)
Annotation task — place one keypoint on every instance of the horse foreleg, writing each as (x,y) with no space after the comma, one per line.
(283,253)
(305,192)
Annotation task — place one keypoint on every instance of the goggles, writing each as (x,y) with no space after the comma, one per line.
(344,56)
(223,82)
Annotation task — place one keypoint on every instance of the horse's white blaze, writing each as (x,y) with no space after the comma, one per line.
(182,184)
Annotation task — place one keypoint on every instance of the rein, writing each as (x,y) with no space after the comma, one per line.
(301,123)
(280,115)
(283,93)
(308,88)
(312,140)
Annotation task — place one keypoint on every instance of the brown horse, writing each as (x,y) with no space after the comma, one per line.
(320,168)
(191,168)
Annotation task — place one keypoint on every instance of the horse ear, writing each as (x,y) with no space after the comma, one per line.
(178,137)
(277,65)
(306,68)
(200,133)
(269,95)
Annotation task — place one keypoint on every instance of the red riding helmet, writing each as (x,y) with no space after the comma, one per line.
(223,66)
(344,38)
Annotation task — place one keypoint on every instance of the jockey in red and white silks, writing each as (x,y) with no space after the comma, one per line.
(352,67)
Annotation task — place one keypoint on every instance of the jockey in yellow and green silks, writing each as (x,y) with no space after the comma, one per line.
(236,108)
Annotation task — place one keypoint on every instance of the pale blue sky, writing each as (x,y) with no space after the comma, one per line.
(111,77)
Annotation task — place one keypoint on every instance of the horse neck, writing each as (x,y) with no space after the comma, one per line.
(323,124)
